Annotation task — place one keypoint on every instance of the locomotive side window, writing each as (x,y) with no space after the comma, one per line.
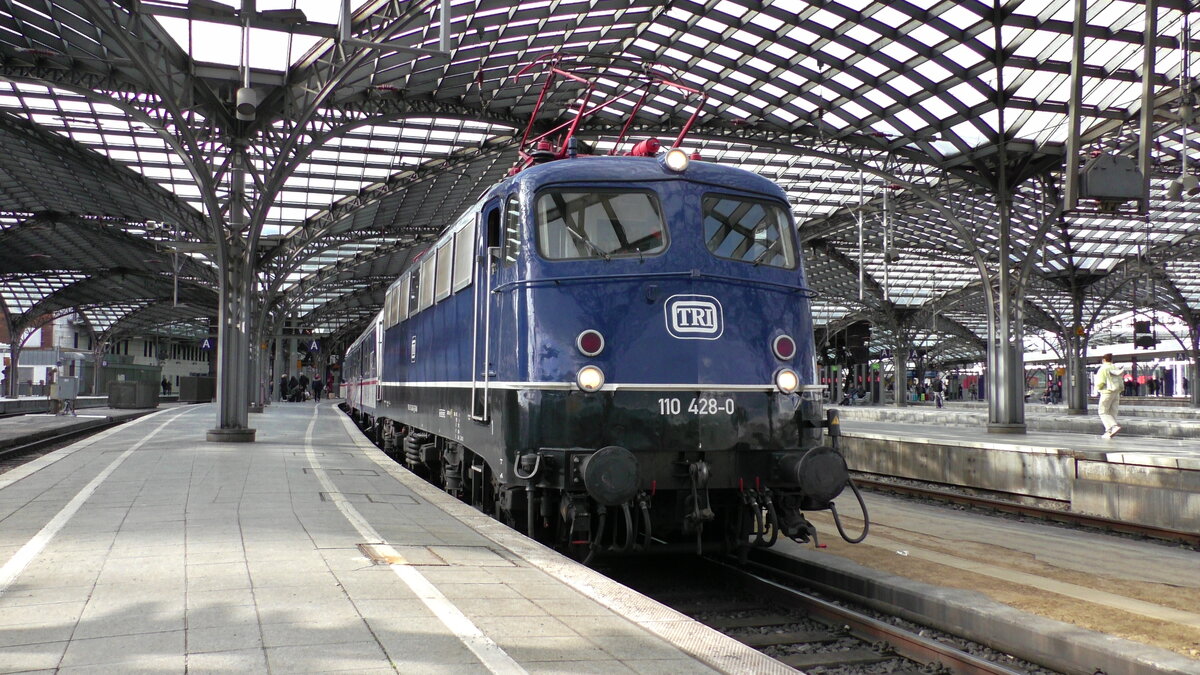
(599,224)
(493,228)
(512,229)
(445,258)
(748,230)
(464,244)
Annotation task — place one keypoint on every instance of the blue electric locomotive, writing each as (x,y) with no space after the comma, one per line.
(610,352)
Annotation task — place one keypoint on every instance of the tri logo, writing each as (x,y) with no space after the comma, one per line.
(694,317)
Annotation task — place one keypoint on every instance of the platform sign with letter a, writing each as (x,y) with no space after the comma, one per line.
(208,343)
(314,345)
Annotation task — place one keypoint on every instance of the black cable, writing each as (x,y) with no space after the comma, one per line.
(629,533)
(645,508)
(866,519)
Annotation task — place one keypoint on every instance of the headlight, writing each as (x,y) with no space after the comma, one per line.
(676,160)
(786,380)
(589,378)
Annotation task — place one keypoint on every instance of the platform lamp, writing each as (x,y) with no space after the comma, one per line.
(247,104)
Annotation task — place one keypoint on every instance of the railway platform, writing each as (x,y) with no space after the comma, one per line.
(1147,479)
(144,548)
(40,404)
(1071,600)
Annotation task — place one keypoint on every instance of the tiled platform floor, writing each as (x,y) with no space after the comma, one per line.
(147,549)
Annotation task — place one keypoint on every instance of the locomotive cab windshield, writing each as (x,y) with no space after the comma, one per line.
(579,225)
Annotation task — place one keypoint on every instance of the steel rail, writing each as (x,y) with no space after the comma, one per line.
(1067,517)
(903,642)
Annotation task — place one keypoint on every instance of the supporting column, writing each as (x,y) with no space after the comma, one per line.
(233,341)
(900,376)
(1006,385)
(280,345)
(257,393)
(255,390)
(1077,380)
(14,372)
(1194,366)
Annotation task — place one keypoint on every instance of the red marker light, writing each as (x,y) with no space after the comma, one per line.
(784,347)
(590,342)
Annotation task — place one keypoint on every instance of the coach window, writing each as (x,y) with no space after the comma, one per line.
(599,224)
(402,298)
(389,308)
(397,303)
(748,230)
(445,258)
(464,245)
(428,266)
(414,292)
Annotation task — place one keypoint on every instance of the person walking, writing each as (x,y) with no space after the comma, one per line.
(938,389)
(1109,384)
(317,385)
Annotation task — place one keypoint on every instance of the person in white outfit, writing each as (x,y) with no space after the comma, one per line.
(1109,384)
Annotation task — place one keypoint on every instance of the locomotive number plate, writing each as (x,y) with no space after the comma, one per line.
(697,406)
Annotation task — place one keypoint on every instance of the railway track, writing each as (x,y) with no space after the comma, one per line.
(1028,510)
(15,455)
(792,626)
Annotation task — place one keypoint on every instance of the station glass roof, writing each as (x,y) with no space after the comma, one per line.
(885,122)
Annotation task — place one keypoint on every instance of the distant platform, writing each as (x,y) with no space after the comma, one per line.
(1152,478)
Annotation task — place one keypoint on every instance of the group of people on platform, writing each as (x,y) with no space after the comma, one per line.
(298,389)
(1109,384)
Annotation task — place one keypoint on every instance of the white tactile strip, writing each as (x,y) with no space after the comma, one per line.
(495,659)
(708,646)
(19,560)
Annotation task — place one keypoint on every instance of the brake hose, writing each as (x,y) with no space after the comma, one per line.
(866,519)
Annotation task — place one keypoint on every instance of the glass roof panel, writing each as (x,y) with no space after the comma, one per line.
(272,50)
(868,70)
